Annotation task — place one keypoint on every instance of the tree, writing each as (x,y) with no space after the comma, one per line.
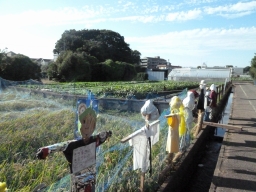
(120,71)
(246,70)
(19,68)
(100,72)
(253,67)
(71,67)
(4,60)
(135,57)
(102,44)
(52,71)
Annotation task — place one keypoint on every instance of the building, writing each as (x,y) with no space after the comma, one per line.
(235,71)
(194,74)
(10,54)
(152,62)
(41,61)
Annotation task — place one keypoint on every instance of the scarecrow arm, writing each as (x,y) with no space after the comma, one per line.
(43,152)
(102,136)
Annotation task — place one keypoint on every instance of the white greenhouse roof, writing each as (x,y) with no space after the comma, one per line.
(200,73)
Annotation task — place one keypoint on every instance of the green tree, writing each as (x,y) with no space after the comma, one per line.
(246,69)
(72,67)
(119,71)
(19,68)
(135,57)
(52,71)
(253,67)
(4,60)
(102,44)
(101,72)
(129,72)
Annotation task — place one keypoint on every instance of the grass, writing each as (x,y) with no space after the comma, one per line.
(29,122)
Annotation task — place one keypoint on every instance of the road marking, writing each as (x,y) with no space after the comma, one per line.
(249,101)
(243,91)
(252,106)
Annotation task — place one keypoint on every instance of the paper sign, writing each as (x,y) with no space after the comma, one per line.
(84,157)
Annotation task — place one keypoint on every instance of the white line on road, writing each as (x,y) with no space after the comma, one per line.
(249,101)
(252,106)
(243,91)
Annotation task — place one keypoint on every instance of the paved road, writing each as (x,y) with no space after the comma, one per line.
(236,167)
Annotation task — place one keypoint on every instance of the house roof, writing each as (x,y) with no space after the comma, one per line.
(10,53)
(40,59)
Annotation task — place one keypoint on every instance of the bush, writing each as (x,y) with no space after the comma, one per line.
(253,67)
(142,77)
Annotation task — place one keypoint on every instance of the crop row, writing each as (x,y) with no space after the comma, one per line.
(115,89)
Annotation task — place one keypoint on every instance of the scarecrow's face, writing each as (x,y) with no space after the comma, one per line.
(88,124)
(81,108)
(146,116)
(175,104)
(201,86)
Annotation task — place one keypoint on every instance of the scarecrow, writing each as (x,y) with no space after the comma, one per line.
(81,152)
(173,120)
(3,187)
(200,104)
(143,139)
(213,100)
(189,106)
(207,109)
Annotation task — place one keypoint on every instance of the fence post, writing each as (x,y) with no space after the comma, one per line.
(218,93)
(142,179)
(199,122)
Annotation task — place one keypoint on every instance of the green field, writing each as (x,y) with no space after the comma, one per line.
(29,122)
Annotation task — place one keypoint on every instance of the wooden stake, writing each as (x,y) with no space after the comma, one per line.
(199,123)
(142,179)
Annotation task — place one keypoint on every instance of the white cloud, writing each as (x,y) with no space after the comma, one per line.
(199,1)
(239,7)
(196,42)
(183,16)
(143,19)
(235,15)
(89,15)
(49,17)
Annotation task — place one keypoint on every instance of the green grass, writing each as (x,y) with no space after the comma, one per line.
(29,122)
(116,89)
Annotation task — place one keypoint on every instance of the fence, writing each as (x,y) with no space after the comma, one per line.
(115,161)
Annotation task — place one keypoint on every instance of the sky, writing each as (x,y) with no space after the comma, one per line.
(186,33)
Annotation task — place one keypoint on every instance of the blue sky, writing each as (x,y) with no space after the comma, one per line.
(187,33)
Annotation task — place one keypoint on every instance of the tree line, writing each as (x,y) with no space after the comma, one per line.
(18,68)
(83,55)
(252,69)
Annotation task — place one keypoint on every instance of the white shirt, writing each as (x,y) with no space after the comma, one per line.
(141,146)
(206,107)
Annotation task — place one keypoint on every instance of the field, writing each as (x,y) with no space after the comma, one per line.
(139,90)
(29,122)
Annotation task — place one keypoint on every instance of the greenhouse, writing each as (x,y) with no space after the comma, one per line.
(194,74)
